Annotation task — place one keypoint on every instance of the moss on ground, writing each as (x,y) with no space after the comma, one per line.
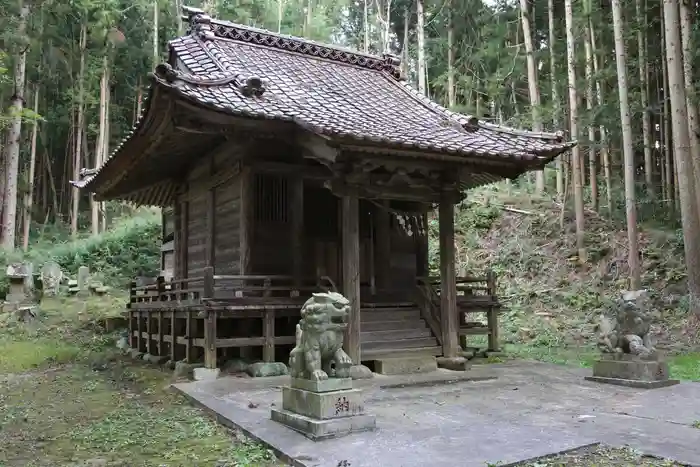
(601,456)
(68,398)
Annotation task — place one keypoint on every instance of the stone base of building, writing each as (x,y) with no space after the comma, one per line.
(630,371)
(323,409)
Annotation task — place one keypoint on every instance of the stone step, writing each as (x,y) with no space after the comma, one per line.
(392,315)
(406,365)
(399,344)
(373,326)
(394,334)
(369,355)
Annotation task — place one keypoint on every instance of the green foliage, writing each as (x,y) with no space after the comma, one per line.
(130,249)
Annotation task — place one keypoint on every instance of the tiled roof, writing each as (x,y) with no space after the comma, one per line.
(333,92)
(352,98)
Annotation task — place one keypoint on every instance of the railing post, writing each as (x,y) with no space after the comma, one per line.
(160,286)
(132,294)
(208,282)
(130,313)
(492,314)
(210,320)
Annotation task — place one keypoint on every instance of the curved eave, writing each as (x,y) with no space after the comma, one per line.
(123,156)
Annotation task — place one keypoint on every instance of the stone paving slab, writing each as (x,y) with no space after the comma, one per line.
(530,410)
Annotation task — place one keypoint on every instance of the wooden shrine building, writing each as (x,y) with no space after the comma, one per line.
(290,166)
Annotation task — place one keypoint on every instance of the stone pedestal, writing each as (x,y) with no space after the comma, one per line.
(323,409)
(631,371)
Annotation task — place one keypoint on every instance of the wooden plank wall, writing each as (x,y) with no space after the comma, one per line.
(227,202)
(212,204)
(196,235)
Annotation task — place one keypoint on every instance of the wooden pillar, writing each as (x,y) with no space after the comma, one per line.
(210,321)
(449,322)
(246,219)
(422,253)
(245,235)
(351,273)
(382,222)
(184,229)
(296,206)
(211,221)
(177,238)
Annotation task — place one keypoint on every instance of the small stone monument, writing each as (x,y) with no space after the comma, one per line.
(320,401)
(629,358)
(51,276)
(83,277)
(20,281)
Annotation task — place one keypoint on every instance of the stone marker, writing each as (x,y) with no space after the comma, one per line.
(629,358)
(51,275)
(20,279)
(320,402)
(83,277)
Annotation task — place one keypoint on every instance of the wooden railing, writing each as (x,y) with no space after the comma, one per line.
(474,295)
(430,306)
(239,289)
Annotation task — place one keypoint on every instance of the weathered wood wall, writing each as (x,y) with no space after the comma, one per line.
(241,221)
(227,199)
(209,215)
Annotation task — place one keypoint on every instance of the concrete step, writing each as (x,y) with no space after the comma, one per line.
(377,354)
(399,344)
(406,365)
(372,326)
(394,335)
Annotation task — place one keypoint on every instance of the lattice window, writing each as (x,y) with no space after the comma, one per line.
(271,198)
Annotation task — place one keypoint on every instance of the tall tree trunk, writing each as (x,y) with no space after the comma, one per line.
(365,27)
(404,62)
(420,32)
(156,54)
(592,153)
(451,102)
(627,147)
(29,197)
(576,171)
(669,183)
(604,148)
(9,213)
(644,95)
(532,85)
(101,139)
(105,146)
(555,95)
(280,13)
(79,132)
(308,18)
(693,121)
(681,147)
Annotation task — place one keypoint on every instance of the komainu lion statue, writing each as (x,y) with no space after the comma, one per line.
(628,332)
(319,353)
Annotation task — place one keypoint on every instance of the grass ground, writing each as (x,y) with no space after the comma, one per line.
(602,456)
(67,398)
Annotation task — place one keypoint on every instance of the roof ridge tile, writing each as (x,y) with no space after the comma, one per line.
(206,28)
